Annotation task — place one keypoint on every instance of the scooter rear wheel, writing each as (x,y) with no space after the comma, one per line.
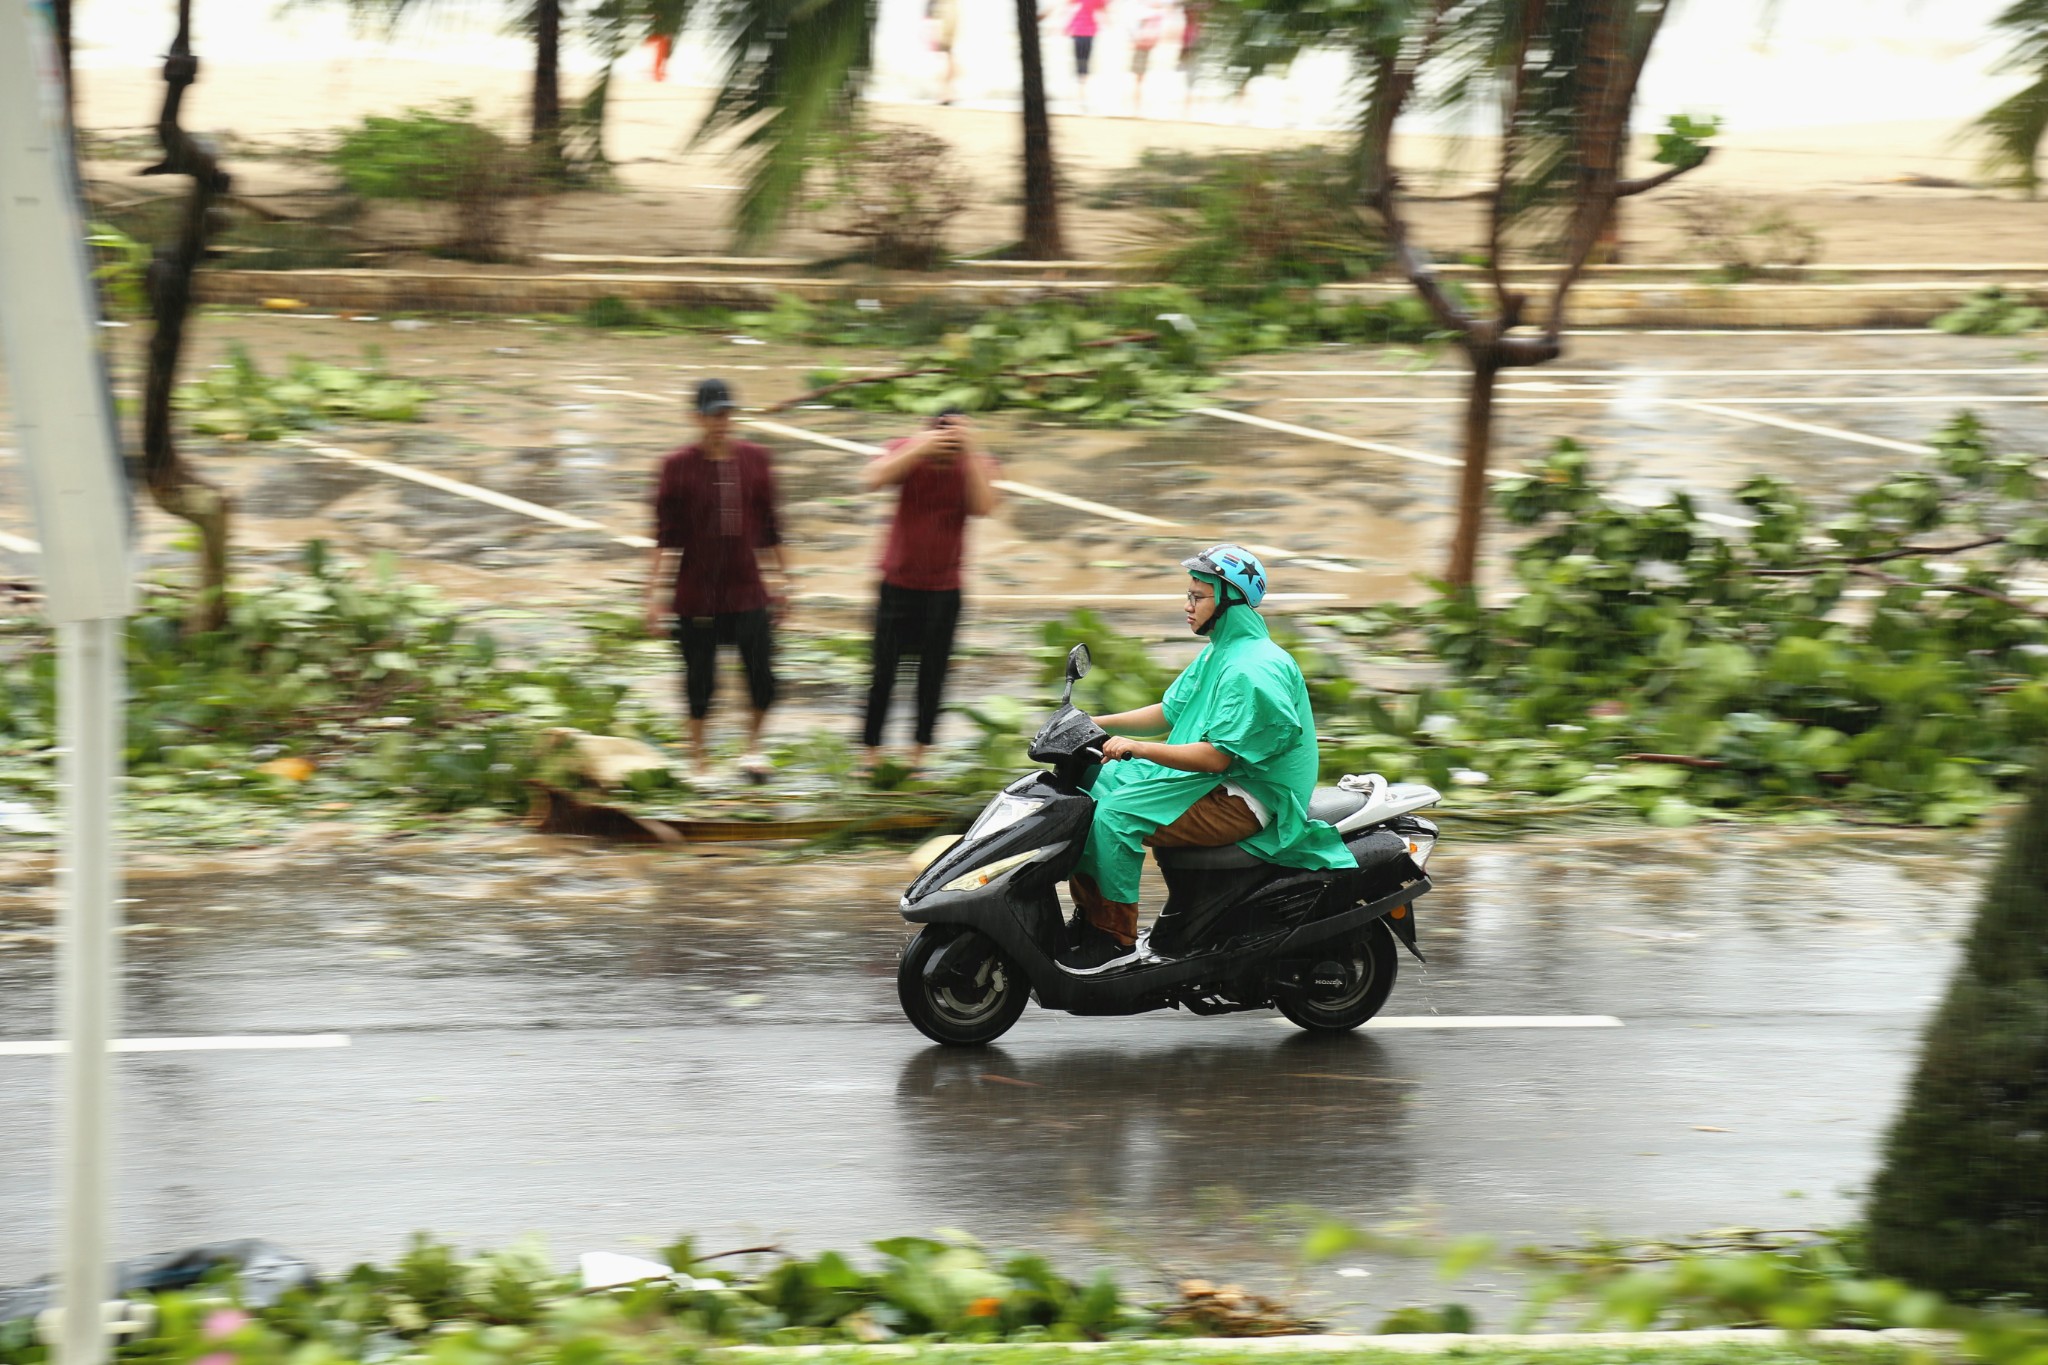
(1368,963)
(966,998)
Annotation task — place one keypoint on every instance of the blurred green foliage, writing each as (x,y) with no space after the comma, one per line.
(328,688)
(1993,312)
(239,401)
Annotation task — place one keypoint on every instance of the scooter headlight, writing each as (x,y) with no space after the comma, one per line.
(1003,812)
(988,872)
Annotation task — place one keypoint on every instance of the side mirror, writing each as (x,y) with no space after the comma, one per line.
(1077,669)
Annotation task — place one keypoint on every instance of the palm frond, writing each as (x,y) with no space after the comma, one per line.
(2011,133)
(793,75)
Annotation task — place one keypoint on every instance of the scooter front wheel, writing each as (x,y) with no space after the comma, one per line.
(958,987)
(1348,986)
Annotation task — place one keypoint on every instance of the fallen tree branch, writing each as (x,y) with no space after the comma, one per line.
(854,383)
(1911,551)
(1677,760)
(1642,184)
(1969,589)
(1128,338)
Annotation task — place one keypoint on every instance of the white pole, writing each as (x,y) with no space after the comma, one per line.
(64,422)
(89,715)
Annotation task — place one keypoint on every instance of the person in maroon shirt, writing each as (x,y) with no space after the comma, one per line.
(714,520)
(944,481)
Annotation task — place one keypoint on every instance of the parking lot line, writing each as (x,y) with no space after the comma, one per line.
(490,497)
(1810,428)
(1334,438)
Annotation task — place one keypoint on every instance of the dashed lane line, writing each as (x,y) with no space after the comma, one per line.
(246,1042)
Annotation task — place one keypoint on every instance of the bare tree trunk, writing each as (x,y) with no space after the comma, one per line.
(546,135)
(175,486)
(1042,238)
(1473,485)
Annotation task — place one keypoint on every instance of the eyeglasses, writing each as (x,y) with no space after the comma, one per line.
(1195,599)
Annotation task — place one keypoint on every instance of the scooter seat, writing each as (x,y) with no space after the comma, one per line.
(1332,804)
(1329,805)
(1229,858)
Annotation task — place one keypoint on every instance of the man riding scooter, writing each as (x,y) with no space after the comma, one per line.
(1238,765)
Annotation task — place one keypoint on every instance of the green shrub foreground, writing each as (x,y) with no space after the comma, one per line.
(325,688)
(514,1308)
(1962,1200)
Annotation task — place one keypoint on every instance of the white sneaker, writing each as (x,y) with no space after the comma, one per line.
(757,767)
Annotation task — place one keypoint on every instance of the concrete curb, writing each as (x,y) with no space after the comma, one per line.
(1596,303)
(1432,1343)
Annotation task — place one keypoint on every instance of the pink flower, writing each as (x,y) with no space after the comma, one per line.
(224,1322)
(217,1358)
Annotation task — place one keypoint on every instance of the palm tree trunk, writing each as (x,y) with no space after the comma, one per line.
(547,86)
(1473,485)
(60,12)
(1042,238)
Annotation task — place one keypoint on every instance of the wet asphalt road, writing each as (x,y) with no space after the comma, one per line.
(609,1048)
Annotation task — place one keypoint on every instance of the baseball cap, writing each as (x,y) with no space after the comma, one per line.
(714,395)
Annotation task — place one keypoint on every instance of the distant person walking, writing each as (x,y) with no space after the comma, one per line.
(1193,16)
(942,29)
(715,518)
(1148,27)
(944,479)
(1084,24)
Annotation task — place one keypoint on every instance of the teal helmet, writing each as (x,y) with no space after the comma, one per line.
(1236,569)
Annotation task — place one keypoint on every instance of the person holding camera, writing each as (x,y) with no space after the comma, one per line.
(943,478)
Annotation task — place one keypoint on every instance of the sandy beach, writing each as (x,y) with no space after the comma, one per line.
(1873,192)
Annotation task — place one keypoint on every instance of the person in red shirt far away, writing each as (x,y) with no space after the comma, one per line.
(715,520)
(944,480)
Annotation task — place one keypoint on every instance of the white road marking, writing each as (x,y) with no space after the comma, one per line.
(1313,434)
(2028,370)
(1026,490)
(1744,332)
(1808,400)
(488,496)
(1810,428)
(1471,1021)
(247,1042)
(1424,457)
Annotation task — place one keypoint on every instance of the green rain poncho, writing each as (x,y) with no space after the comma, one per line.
(1245,695)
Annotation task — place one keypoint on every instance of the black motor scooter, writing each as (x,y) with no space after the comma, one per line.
(1236,934)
